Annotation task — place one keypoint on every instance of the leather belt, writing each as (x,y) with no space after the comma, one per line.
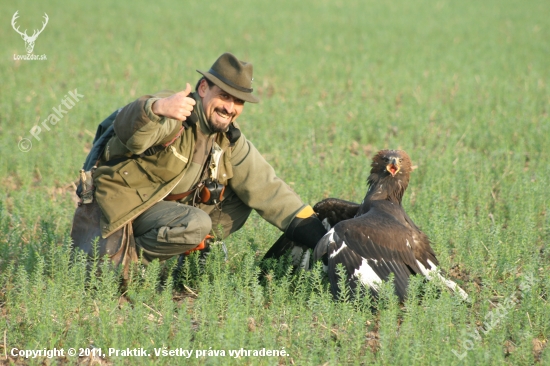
(179,196)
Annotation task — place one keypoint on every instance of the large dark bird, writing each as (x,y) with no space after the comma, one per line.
(377,237)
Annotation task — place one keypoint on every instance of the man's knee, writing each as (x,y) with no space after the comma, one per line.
(176,236)
(192,230)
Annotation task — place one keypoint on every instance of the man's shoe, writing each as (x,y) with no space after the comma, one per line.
(204,248)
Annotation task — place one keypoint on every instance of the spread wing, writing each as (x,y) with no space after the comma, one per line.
(298,252)
(280,247)
(334,210)
(370,247)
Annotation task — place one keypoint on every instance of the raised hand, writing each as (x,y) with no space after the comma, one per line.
(177,106)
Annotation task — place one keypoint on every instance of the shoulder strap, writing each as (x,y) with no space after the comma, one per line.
(104,132)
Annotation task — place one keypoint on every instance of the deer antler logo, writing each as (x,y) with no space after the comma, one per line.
(29,41)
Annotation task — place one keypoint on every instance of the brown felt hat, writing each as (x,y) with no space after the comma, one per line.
(232,76)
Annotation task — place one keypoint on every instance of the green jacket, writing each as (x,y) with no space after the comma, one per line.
(127,189)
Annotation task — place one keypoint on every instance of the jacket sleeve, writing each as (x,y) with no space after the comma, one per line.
(138,128)
(255,183)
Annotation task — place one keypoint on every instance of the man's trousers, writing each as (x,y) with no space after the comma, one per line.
(171,228)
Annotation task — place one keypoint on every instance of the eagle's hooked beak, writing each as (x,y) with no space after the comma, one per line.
(393,167)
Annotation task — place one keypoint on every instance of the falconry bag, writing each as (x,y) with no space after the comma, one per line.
(120,247)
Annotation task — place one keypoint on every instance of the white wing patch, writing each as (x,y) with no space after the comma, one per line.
(366,275)
(331,235)
(435,271)
(424,271)
(336,252)
(434,267)
(408,244)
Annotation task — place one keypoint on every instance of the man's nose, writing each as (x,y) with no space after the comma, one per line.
(229,106)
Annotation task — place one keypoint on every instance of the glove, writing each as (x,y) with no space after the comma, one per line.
(306,228)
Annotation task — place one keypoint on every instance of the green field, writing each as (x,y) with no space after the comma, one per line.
(463,87)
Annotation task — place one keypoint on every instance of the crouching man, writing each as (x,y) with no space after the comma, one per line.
(173,169)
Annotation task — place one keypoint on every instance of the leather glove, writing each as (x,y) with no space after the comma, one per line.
(306,228)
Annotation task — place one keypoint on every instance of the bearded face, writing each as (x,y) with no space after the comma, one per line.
(220,108)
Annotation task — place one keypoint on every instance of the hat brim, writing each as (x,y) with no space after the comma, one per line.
(247,97)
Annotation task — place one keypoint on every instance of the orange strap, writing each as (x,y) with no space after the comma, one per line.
(201,245)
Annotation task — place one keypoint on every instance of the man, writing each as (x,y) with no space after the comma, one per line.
(180,183)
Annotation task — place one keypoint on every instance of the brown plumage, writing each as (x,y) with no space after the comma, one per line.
(377,237)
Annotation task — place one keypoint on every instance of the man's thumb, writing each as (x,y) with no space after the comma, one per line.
(187,90)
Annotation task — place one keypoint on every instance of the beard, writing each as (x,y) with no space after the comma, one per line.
(216,126)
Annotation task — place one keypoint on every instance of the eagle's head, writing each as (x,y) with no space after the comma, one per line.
(389,175)
(391,162)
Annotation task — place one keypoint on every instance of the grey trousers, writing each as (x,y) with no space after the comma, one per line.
(171,228)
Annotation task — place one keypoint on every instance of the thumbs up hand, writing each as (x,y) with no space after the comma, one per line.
(177,106)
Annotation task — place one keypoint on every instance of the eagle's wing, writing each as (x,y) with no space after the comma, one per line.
(427,261)
(370,247)
(280,247)
(299,253)
(422,249)
(333,210)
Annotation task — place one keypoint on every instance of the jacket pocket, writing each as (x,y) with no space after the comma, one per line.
(122,190)
(166,165)
(135,177)
(132,174)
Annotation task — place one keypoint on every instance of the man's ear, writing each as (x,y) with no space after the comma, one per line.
(203,87)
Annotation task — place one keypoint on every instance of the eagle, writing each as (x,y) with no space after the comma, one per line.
(377,237)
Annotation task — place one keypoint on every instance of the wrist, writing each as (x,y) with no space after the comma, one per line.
(155,115)
(156,107)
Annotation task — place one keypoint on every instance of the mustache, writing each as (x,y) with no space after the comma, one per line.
(223,112)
